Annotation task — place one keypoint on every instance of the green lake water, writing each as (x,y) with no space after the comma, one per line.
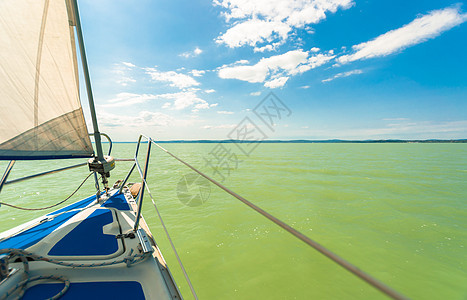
(397,211)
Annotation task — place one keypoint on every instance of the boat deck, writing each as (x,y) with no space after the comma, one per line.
(95,248)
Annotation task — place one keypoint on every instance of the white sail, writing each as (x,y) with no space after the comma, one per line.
(40,111)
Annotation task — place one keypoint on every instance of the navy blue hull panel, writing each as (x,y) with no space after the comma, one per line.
(34,235)
(37,233)
(88,290)
(117,201)
(88,238)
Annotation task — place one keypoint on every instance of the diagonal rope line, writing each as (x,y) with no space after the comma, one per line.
(170,239)
(47,207)
(323,250)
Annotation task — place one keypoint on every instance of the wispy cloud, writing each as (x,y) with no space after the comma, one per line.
(178,101)
(224,112)
(175,79)
(122,71)
(401,130)
(276,82)
(419,30)
(143,119)
(223,126)
(210,91)
(395,119)
(274,71)
(128,99)
(197,51)
(128,64)
(197,73)
(271,22)
(185,99)
(343,74)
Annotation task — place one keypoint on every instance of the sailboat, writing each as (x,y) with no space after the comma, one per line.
(100,246)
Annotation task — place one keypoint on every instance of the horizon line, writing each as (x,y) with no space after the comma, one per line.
(308,141)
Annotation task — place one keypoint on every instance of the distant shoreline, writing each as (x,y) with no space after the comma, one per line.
(309,141)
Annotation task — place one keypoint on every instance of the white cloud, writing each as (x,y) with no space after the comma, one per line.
(209,91)
(314,49)
(402,130)
(176,79)
(241,62)
(197,73)
(320,59)
(144,118)
(223,126)
(275,69)
(419,30)
(395,119)
(268,47)
(128,64)
(258,72)
(252,32)
(122,71)
(182,100)
(179,100)
(255,93)
(197,51)
(276,82)
(128,99)
(224,112)
(343,74)
(272,21)
(305,87)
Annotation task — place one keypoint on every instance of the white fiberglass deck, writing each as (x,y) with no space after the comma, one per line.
(87,234)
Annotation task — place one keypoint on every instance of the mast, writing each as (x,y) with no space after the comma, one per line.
(97,134)
(100,164)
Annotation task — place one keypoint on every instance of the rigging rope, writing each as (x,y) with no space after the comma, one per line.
(334,257)
(47,207)
(23,255)
(171,243)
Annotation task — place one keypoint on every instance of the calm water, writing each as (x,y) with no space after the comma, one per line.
(398,211)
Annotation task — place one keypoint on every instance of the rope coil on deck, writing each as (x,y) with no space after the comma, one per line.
(23,255)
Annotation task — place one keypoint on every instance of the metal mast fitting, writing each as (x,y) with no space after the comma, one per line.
(100,164)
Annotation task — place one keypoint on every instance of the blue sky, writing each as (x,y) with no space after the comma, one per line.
(346,69)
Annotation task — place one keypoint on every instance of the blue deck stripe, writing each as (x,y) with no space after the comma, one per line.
(117,201)
(88,290)
(32,236)
(88,238)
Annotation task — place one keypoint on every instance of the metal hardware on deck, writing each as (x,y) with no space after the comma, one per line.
(122,184)
(108,139)
(130,235)
(7,172)
(144,239)
(4,267)
(100,167)
(144,185)
(143,181)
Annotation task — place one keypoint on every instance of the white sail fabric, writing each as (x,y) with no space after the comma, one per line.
(40,111)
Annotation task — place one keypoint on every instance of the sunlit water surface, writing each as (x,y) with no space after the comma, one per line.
(397,211)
